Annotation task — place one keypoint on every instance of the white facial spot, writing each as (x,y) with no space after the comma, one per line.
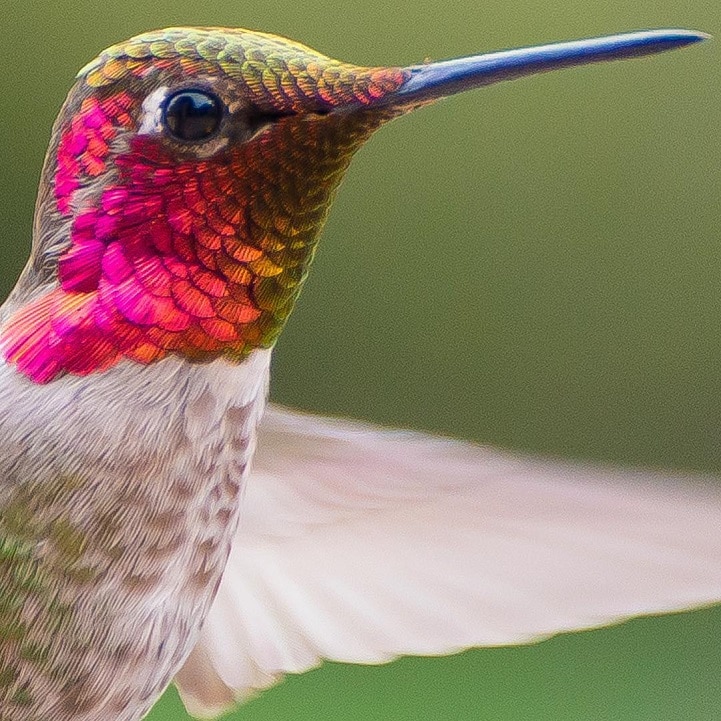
(152,120)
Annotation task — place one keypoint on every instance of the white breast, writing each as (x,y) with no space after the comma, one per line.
(147,465)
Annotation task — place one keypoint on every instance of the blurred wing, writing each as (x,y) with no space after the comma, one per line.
(360,544)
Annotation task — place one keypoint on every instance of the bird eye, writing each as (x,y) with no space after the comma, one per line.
(193,115)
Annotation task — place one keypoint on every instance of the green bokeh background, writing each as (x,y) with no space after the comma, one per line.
(535,265)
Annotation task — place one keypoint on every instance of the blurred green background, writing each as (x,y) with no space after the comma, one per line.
(536,265)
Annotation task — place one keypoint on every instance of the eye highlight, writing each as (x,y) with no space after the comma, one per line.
(193,115)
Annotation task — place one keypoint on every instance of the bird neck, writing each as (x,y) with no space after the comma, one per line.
(202,258)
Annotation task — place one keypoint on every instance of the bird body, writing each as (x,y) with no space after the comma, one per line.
(188,177)
(120,534)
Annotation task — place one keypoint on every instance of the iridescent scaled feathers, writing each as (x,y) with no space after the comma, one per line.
(147,245)
(198,250)
(269,69)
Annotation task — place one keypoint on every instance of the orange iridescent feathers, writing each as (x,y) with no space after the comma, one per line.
(189,175)
(173,251)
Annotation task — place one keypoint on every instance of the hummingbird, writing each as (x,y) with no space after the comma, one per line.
(158,522)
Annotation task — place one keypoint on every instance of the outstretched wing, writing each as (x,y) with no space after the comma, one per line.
(361,544)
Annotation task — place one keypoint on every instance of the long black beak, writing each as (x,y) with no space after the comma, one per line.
(437,80)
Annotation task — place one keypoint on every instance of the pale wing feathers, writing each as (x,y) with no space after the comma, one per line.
(361,544)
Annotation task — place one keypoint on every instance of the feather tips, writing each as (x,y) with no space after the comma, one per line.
(360,545)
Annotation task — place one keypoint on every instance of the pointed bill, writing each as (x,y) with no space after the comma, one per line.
(437,80)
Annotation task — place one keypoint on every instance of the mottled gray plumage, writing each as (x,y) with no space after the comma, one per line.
(125,488)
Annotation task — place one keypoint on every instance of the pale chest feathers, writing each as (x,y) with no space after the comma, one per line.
(124,489)
(165,445)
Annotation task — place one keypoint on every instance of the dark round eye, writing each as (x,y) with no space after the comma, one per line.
(193,114)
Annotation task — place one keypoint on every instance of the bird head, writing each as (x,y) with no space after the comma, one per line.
(188,177)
